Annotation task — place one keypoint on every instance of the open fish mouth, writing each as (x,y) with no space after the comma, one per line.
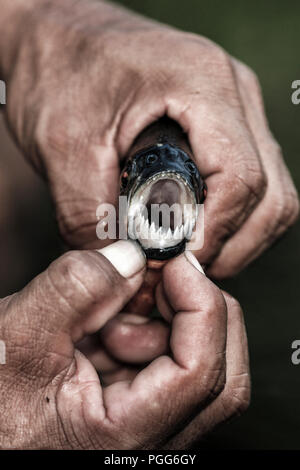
(164,189)
(162,212)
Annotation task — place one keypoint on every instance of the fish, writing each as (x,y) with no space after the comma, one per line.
(163,187)
(159,170)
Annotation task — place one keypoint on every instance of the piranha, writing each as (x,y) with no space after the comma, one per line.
(159,172)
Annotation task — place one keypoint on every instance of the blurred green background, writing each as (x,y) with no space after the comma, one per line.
(266,36)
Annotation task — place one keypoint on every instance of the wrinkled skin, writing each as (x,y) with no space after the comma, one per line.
(84,78)
(88,77)
(60,403)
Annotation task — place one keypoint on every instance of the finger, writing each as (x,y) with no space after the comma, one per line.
(228,160)
(223,147)
(109,370)
(162,303)
(135,339)
(75,296)
(92,348)
(279,208)
(82,171)
(235,397)
(171,388)
(222,143)
(127,373)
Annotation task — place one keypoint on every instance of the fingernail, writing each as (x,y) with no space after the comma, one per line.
(193,260)
(126,256)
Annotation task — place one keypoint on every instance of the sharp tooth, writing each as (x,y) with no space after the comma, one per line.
(176,235)
(137,221)
(131,228)
(158,233)
(144,230)
(147,229)
(161,233)
(153,233)
(186,228)
(191,226)
(181,232)
(139,231)
(169,235)
(138,226)
(141,221)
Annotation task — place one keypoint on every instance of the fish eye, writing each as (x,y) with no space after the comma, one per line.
(152,158)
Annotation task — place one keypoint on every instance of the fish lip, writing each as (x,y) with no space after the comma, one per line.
(164,246)
(164,253)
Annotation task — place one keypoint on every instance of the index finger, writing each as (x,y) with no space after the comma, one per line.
(229,161)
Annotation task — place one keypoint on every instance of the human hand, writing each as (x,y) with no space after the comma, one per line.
(60,401)
(88,77)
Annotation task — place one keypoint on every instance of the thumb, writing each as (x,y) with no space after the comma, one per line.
(75,296)
(200,321)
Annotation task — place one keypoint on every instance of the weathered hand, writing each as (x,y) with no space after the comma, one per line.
(60,401)
(84,78)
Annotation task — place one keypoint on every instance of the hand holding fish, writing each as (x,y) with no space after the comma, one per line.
(61,403)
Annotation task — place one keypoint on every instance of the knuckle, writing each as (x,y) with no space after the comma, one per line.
(81,271)
(53,134)
(285,212)
(59,143)
(251,180)
(214,382)
(294,209)
(220,57)
(71,264)
(274,147)
(214,304)
(237,398)
(256,182)
(77,222)
(66,273)
(200,49)
(228,225)
(219,385)
(247,75)
(232,302)
(61,130)
(219,64)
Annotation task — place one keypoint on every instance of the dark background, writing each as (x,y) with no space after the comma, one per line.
(266,36)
